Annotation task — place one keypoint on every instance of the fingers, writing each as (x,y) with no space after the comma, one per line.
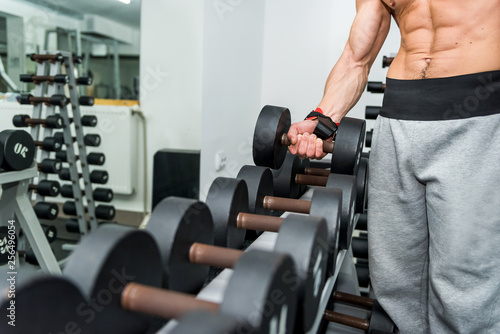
(308,146)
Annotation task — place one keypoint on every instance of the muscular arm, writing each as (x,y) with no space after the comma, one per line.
(349,76)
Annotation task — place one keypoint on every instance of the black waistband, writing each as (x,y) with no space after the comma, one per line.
(434,99)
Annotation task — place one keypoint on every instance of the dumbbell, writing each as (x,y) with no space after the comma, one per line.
(339,216)
(51,58)
(379,320)
(89,139)
(375,87)
(106,212)
(84,81)
(48,304)
(86,100)
(371,112)
(360,247)
(99,194)
(363,272)
(368,140)
(227,200)
(51,144)
(51,122)
(270,142)
(93,158)
(36,79)
(45,210)
(46,188)
(184,231)
(50,166)
(54,100)
(87,120)
(387,61)
(362,222)
(119,270)
(319,177)
(96,176)
(17,150)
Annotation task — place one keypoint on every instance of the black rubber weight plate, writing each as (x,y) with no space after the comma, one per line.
(361,185)
(263,291)
(104,262)
(176,223)
(18,149)
(259,181)
(284,177)
(226,198)
(349,142)
(46,304)
(305,239)
(272,122)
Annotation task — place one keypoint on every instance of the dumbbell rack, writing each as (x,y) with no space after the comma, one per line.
(214,291)
(16,203)
(53,68)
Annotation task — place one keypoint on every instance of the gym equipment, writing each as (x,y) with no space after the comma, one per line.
(96,176)
(387,61)
(106,212)
(87,120)
(50,166)
(360,247)
(45,304)
(51,144)
(89,139)
(46,188)
(371,112)
(51,122)
(362,223)
(45,210)
(121,269)
(54,100)
(37,79)
(99,194)
(375,87)
(84,81)
(283,178)
(199,322)
(368,140)
(86,100)
(93,158)
(270,141)
(39,58)
(184,232)
(379,320)
(18,149)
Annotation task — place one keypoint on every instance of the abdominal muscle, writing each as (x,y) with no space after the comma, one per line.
(443,38)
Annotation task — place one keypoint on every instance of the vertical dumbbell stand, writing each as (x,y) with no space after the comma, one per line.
(15,199)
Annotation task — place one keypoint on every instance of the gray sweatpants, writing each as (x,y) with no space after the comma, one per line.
(434,223)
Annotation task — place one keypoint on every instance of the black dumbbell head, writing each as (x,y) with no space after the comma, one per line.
(103,194)
(20,121)
(92,140)
(106,212)
(52,144)
(59,100)
(45,210)
(62,155)
(86,101)
(61,78)
(48,188)
(24,98)
(26,77)
(89,120)
(50,232)
(54,122)
(18,149)
(99,176)
(96,159)
(85,81)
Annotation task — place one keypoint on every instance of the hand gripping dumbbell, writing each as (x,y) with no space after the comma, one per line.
(49,305)
(387,61)
(50,166)
(46,210)
(89,139)
(46,188)
(119,270)
(227,200)
(17,150)
(98,194)
(51,122)
(379,320)
(96,176)
(184,232)
(106,212)
(54,100)
(37,79)
(270,142)
(93,158)
(375,87)
(49,57)
(322,204)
